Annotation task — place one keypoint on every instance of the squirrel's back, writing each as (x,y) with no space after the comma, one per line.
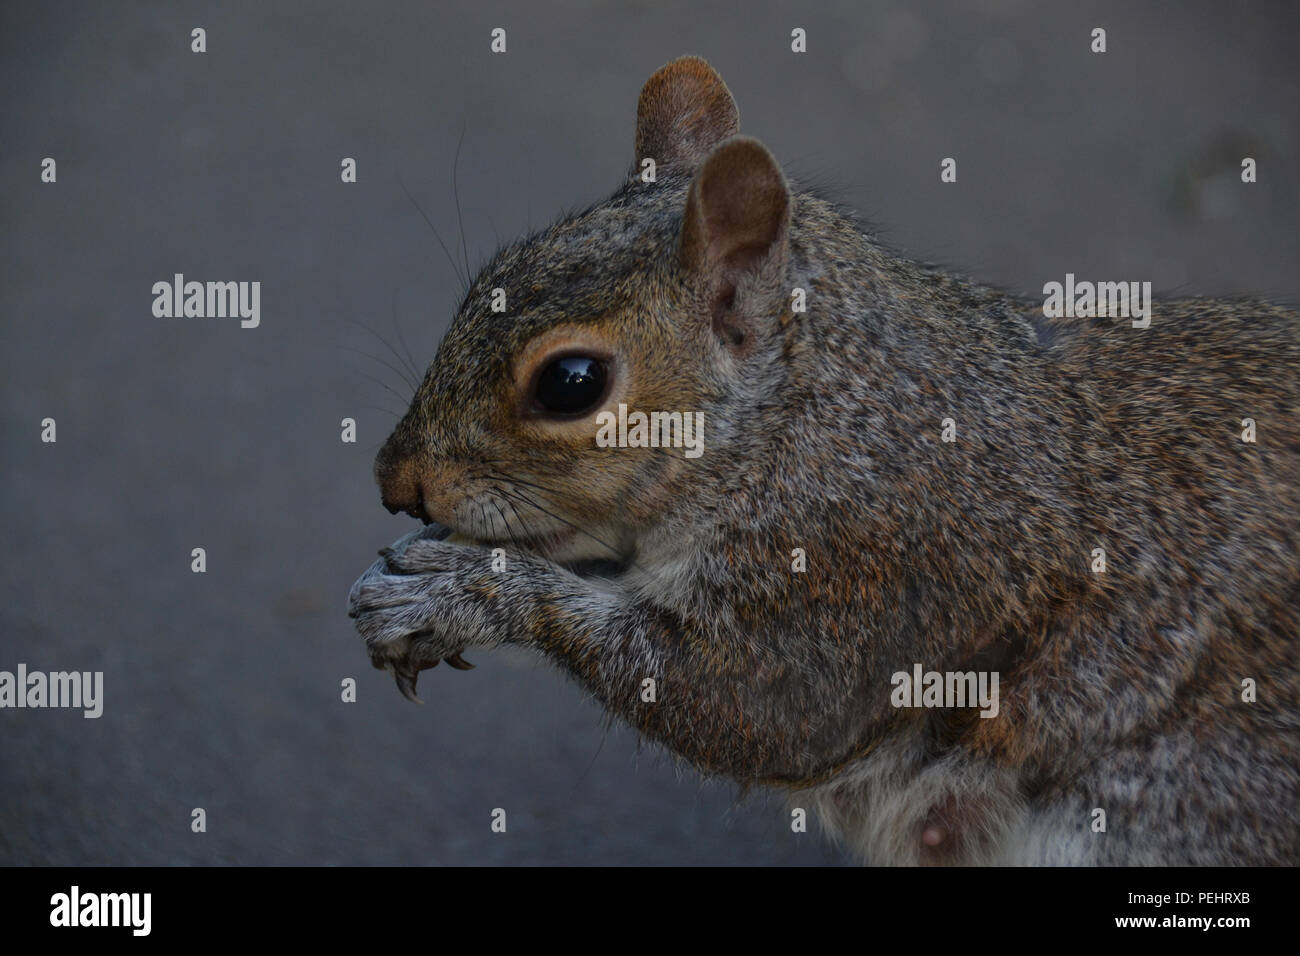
(1118,514)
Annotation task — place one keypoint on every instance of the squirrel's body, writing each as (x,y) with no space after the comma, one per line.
(1120,690)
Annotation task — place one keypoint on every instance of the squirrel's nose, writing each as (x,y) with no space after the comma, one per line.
(400,489)
(415,511)
(419,484)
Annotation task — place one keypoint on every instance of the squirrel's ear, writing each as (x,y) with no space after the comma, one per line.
(684,111)
(736,233)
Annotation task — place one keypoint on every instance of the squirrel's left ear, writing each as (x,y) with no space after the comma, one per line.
(736,235)
(684,111)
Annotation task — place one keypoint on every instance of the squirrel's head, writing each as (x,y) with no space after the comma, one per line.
(667,297)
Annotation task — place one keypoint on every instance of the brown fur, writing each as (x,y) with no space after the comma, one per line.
(1119,691)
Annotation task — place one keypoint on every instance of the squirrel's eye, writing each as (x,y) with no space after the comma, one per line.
(571,385)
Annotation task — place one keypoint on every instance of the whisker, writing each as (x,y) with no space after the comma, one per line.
(506,522)
(523,521)
(410,359)
(546,511)
(455,191)
(379,408)
(455,267)
(387,365)
(529,484)
(512,479)
(384,385)
(402,371)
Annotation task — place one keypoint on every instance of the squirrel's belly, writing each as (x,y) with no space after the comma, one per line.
(893,810)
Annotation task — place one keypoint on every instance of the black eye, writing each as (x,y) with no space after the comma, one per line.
(571,385)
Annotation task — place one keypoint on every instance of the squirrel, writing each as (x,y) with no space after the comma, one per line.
(1159,696)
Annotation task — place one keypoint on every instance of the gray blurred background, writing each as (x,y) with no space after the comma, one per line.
(222,689)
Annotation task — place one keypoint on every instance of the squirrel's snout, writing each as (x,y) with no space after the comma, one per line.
(415,511)
(400,489)
(418,487)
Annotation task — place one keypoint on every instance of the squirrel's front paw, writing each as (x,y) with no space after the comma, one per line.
(412,607)
(405,657)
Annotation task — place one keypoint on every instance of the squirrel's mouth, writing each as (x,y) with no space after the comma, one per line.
(549,544)
(548,535)
(575,549)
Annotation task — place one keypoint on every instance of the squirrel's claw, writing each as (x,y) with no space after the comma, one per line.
(407,674)
(406,678)
(458,662)
(407,671)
